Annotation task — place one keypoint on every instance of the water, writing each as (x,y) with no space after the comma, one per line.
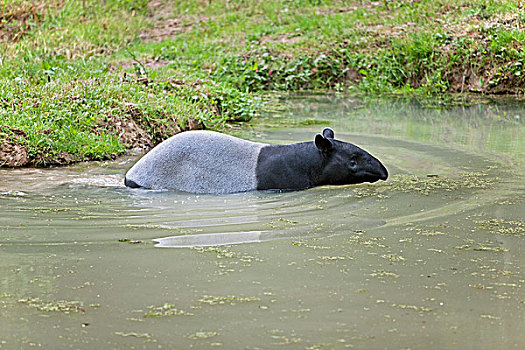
(431,258)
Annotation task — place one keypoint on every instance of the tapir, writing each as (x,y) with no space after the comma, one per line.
(215,163)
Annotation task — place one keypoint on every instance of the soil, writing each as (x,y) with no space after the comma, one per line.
(12,153)
(139,133)
(133,132)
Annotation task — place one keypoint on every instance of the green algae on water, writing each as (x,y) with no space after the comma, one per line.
(424,232)
(393,257)
(230,300)
(383,273)
(503,227)
(425,186)
(133,334)
(485,248)
(52,210)
(166,310)
(54,305)
(203,335)
(411,307)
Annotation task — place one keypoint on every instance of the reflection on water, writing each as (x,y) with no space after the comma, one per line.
(209,239)
(432,256)
(492,128)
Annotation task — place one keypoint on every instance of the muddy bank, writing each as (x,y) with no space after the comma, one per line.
(132,130)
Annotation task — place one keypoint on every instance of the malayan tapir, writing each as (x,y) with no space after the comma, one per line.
(211,162)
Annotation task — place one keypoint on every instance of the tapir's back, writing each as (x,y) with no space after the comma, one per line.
(199,162)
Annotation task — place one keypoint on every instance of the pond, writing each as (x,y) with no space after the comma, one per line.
(432,257)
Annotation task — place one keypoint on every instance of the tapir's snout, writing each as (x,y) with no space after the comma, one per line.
(376,171)
(383,174)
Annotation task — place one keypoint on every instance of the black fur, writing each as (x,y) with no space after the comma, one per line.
(323,162)
(131,184)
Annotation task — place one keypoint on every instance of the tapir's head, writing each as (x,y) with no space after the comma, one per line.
(345,163)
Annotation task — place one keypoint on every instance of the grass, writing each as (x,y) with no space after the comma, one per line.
(83,80)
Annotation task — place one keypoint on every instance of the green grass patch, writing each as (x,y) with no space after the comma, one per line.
(86,80)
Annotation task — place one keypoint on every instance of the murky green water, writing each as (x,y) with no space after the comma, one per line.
(432,258)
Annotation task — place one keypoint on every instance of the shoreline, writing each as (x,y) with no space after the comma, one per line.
(92,83)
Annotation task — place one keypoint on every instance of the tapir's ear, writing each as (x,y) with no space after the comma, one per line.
(328,133)
(323,143)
